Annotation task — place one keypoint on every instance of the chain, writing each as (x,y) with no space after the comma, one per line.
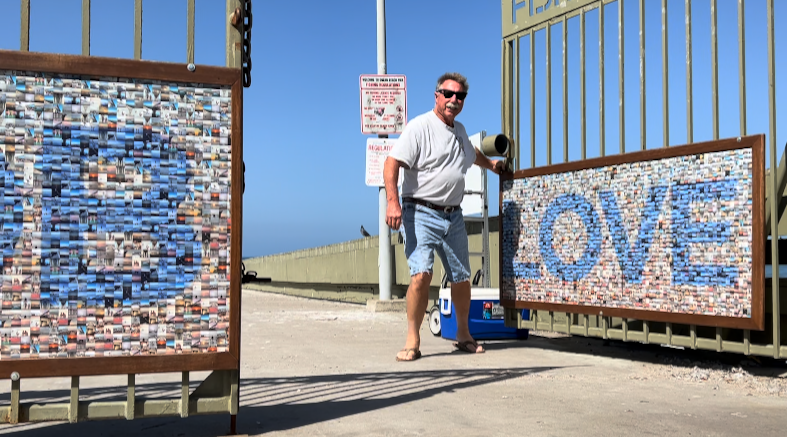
(246,50)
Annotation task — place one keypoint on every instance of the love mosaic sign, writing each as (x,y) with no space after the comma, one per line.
(669,235)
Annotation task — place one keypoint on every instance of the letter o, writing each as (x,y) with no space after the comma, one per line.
(575,271)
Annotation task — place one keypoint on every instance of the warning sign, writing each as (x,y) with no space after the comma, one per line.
(377,150)
(383,103)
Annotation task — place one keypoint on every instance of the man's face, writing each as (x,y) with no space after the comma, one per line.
(449,107)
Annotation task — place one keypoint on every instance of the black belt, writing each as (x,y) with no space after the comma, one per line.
(445,209)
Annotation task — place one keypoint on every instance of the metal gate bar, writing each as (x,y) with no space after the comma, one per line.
(664,73)
(24,30)
(85,27)
(582,96)
(137,29)
(714,55)
(549,93)
(691,336)
(642,96)
(621,81)
(689,78)
(774,203)
(190,32)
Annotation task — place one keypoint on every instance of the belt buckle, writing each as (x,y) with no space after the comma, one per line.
(448,209)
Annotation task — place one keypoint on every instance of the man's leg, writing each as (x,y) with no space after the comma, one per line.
(460,296)
(417,300)
(421,234)
(456,258)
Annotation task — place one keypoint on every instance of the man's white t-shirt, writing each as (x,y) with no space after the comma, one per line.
(438,157)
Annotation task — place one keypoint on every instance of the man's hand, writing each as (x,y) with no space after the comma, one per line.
(393,216)
(498,166)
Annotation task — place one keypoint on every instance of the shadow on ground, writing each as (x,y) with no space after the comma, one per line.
(646,353)
(276,404)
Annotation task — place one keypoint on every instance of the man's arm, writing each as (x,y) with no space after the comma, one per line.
(393,216)
(483,161)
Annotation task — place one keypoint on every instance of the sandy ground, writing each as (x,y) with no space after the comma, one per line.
(321,368)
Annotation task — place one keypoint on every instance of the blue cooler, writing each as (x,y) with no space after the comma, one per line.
(486,316)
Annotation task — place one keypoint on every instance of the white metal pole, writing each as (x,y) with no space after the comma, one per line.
(384,257)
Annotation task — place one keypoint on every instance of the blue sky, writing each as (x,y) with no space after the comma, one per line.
(303,147)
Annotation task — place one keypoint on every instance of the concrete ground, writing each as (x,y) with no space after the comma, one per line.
(322,368)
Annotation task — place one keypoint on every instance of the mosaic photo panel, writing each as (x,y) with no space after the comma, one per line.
(672,235)
(116,223)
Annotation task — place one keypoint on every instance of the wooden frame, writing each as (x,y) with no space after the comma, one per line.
(98,67)
(756,321)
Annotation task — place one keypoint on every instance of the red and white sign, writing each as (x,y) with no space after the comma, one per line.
(377,149)
(383,103)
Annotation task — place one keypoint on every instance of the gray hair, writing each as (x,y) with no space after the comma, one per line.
(456,77)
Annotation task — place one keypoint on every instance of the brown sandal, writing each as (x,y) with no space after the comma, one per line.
(470,346)
(416,354)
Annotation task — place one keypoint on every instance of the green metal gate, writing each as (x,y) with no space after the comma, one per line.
(525,21)
(219,392)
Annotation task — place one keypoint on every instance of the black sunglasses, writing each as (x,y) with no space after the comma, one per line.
(460,95)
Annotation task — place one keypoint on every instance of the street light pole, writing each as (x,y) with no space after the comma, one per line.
(384,257)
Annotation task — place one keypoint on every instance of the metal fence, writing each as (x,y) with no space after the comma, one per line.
(219,392)
(521,71)
(238,55)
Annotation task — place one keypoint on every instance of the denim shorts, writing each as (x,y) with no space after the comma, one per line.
(427,231)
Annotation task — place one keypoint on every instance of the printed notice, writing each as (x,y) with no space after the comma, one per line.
(377,150)
(383,103)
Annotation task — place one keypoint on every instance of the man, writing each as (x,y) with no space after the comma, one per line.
(435,152)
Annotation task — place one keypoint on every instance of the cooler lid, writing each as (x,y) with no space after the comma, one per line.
(475,293)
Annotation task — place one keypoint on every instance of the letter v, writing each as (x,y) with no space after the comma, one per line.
(632,257)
